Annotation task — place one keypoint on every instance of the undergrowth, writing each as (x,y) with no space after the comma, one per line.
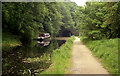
(9,41)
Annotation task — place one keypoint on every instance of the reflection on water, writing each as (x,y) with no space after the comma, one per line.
(30,59)
(43,42)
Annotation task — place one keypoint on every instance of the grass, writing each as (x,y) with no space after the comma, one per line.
(9,41)
(61,59)
(106,50)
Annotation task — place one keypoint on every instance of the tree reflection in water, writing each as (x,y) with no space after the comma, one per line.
(29,59)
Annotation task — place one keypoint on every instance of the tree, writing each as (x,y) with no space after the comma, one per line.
(98,20)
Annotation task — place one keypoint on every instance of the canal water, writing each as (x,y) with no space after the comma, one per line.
(29,59)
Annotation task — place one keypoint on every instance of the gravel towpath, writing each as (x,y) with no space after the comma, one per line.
(83,60)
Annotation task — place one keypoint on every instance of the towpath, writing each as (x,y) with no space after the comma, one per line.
(83,60)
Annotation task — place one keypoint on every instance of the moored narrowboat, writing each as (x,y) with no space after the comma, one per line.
(44,36)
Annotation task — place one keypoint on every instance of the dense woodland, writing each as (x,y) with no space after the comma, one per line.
(99,20)
(27,20)
(96,20)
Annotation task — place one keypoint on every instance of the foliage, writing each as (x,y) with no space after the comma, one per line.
(28,19)
(98,20)
(106,50)
(60,57)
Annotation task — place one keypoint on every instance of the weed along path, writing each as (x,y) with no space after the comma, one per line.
(83,60)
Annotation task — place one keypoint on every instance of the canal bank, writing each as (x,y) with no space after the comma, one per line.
(60,59)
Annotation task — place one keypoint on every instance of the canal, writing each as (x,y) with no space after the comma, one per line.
(29,59)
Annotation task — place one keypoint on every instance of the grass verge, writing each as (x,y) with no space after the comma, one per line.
(61,59)
(106,50)
(9,41)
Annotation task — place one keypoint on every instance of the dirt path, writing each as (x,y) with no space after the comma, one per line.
(83,60)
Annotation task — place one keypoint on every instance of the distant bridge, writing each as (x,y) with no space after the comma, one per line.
(67,32)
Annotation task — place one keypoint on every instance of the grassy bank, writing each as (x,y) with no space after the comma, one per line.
(61,59)
(106,50)
(9,41)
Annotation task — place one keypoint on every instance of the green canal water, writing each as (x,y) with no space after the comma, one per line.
(29,59)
